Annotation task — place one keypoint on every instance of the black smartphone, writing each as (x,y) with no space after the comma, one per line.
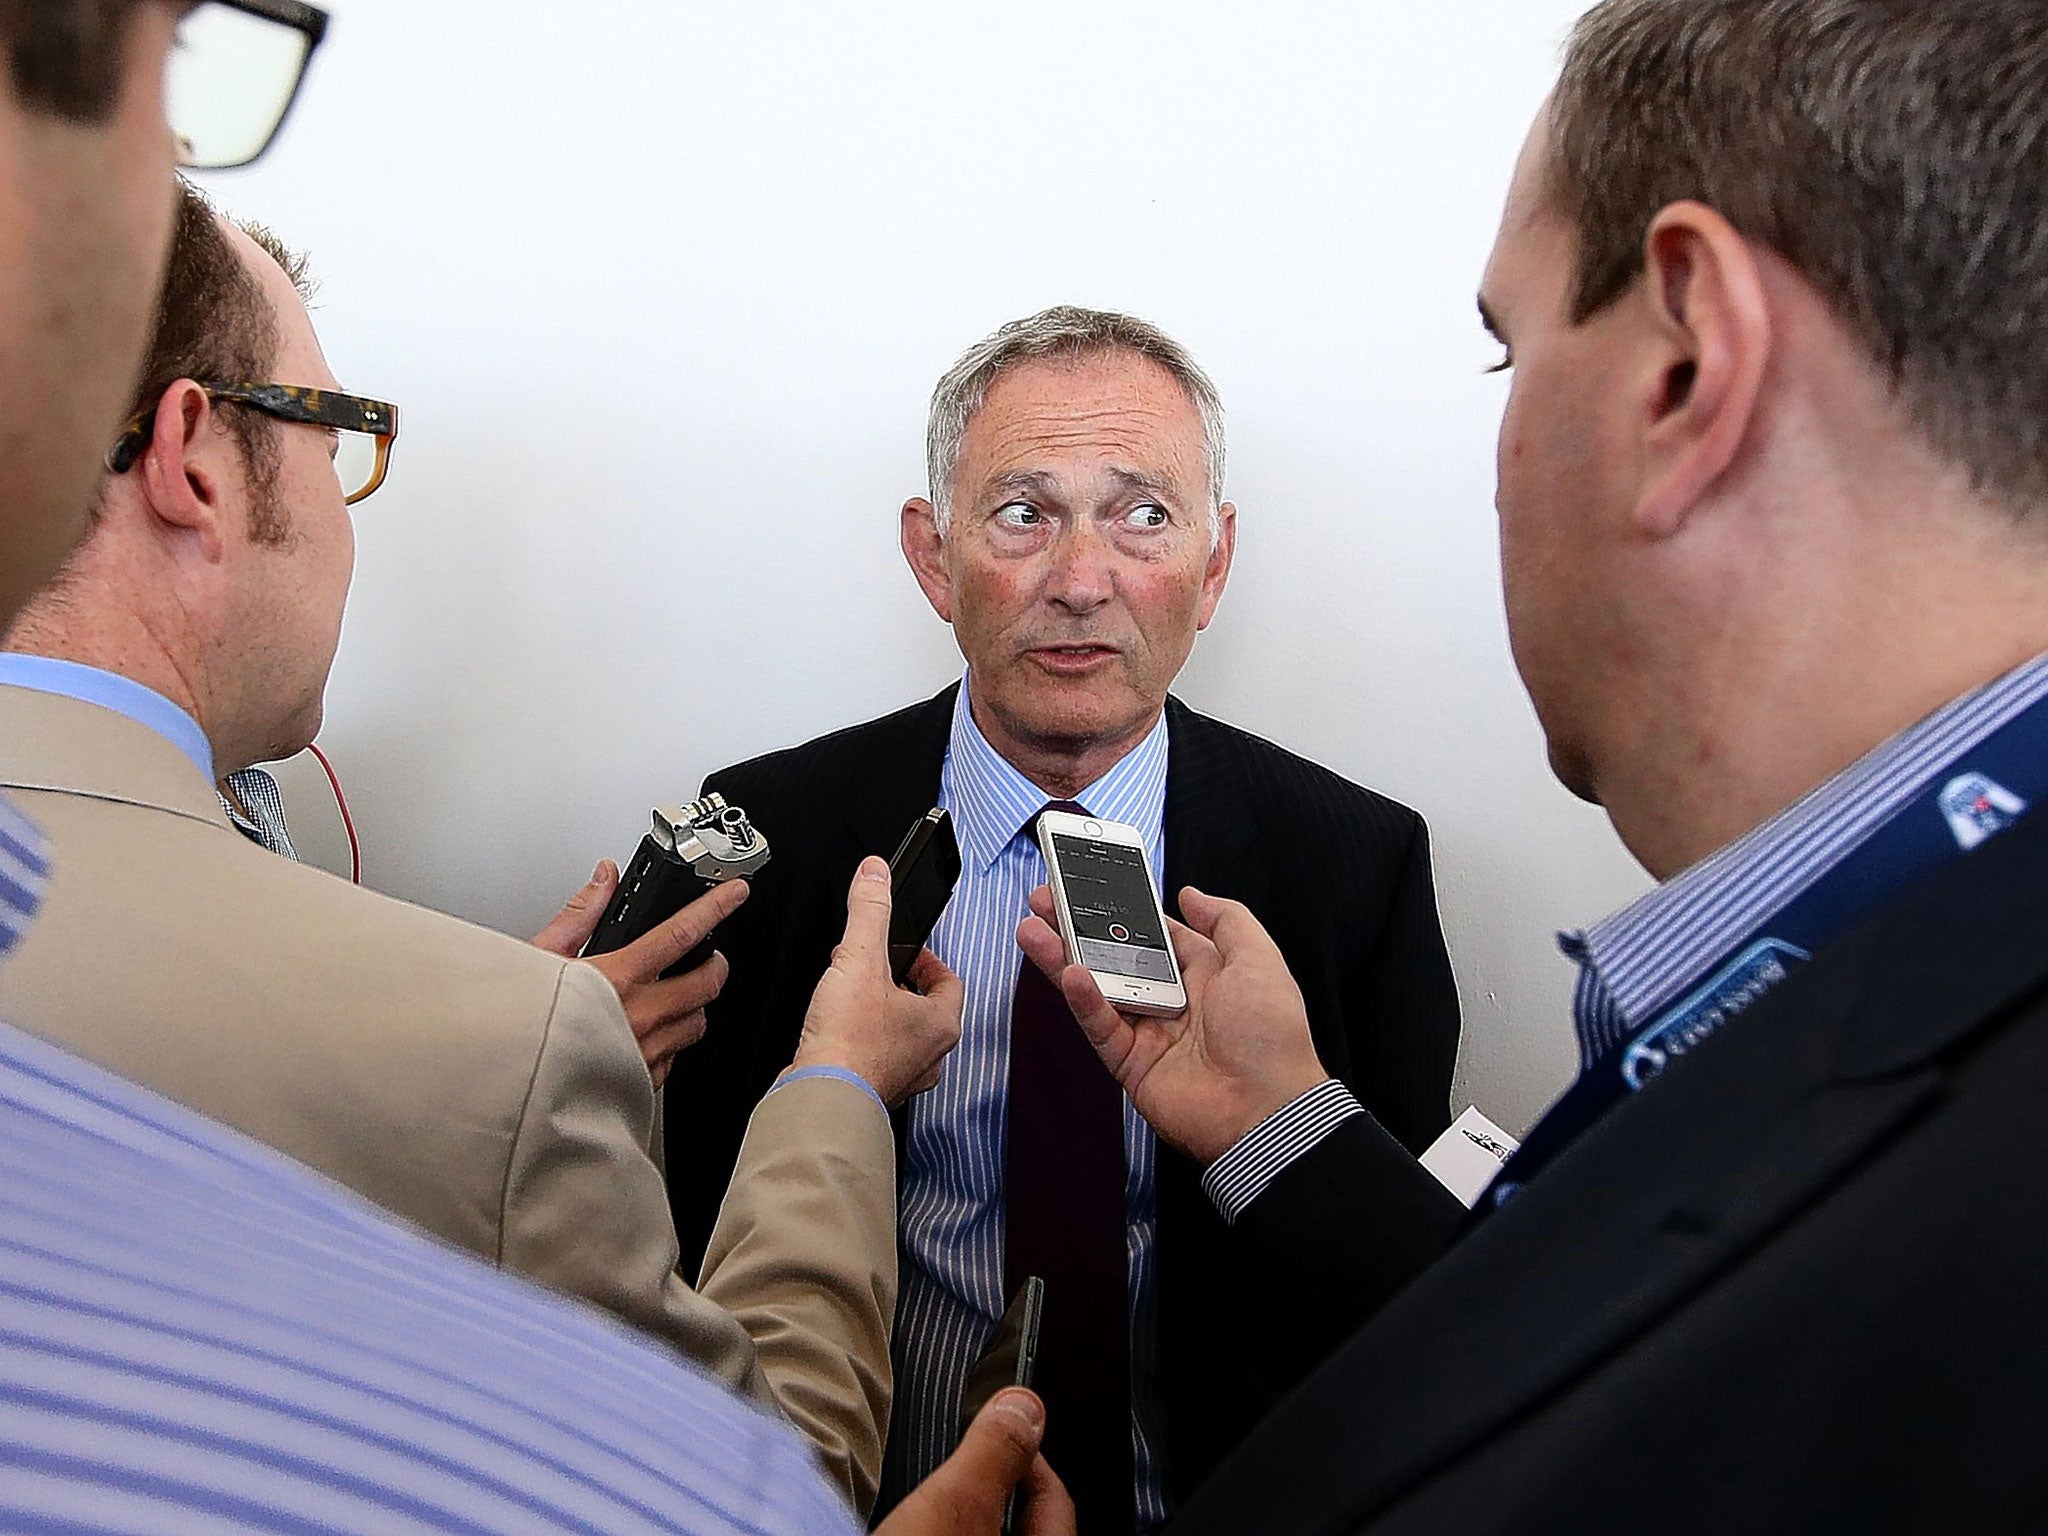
(691,850)
(922,873)
(1010,1360)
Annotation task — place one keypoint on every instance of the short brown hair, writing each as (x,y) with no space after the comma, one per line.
(65,56)
(215,324)
(1891,150)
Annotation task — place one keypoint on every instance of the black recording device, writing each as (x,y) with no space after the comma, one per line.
(1010,1360)
(691,850)
(922,873)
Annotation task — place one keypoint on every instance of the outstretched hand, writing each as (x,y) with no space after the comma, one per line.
(970,1490)
(667,1014)
(1241,1049)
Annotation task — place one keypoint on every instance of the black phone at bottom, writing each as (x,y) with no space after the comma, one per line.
(1010,1360)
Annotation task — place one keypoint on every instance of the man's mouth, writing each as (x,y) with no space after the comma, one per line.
(1078,657)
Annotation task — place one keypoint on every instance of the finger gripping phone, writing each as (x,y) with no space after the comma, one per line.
(1010,1360)
(690,850)
(1110,913)
(922,873)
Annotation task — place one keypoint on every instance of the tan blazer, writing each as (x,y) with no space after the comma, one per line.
(487,1091)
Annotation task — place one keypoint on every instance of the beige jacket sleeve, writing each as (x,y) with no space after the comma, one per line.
(800,1280)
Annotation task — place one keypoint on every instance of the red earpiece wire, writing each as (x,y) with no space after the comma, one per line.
(348,823)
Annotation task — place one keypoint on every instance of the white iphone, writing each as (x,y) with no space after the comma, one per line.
(1109,910)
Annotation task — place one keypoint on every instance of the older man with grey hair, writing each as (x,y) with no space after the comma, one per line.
(1076,537)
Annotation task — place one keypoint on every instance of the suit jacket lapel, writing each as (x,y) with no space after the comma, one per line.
(898,780)
(1210,821)
(1674,1187)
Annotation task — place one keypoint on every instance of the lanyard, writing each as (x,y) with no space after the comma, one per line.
(1984,790)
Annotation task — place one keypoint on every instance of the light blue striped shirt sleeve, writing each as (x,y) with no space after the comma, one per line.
(198,1335)
(24,871)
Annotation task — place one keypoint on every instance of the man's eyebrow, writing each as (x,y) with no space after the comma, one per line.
(1045,486)
(1492,325)
(1024,482)
(1141,480)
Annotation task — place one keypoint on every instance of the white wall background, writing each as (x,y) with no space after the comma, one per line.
(662,290)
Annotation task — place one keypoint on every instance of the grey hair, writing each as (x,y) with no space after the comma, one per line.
(1063,331)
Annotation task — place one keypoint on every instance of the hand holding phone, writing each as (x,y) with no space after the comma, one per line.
(896,1038)
(1240,1051)
(1110,914)
(1010,1360)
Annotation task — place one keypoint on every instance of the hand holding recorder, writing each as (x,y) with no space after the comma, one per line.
(862,1021)
(664,1000)
(1239,1051)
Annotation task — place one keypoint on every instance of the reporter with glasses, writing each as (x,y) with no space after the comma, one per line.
(489,1092)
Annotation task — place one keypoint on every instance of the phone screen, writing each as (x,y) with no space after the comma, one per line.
(1116,917)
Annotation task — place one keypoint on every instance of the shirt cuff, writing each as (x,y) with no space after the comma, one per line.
(843,1074)
(1241,1175)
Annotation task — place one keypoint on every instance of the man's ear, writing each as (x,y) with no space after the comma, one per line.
(182,466)
(1217,571)
(926,552)
(1705,293)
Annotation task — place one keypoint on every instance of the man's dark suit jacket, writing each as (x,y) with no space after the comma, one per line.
(1339,875)
(1794,1285)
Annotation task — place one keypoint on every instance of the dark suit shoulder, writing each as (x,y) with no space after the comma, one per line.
(1314,807)
(827,763)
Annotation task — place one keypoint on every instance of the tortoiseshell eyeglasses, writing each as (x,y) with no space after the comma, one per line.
(363,430)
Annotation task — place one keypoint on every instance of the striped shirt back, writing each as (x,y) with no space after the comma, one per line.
(199,1335)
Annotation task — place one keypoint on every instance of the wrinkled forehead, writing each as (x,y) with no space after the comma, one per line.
(1092,413)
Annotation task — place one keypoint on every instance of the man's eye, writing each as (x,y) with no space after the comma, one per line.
(1506,362)
(1148,515)
(333,444)
(1019,514)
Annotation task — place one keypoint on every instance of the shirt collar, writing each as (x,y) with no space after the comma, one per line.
(991,802)
(1643,955)
(109,690)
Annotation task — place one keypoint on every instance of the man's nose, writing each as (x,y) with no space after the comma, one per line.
(1083,574)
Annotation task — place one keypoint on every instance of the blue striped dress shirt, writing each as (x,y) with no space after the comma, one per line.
(952,1184)
(1638,962)
(199,1335)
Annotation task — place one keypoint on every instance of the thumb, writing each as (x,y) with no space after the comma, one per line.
(1229,925)
(867,914)
(999,1447)
(572,927)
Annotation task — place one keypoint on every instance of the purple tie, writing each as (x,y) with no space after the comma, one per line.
(1064,1221)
